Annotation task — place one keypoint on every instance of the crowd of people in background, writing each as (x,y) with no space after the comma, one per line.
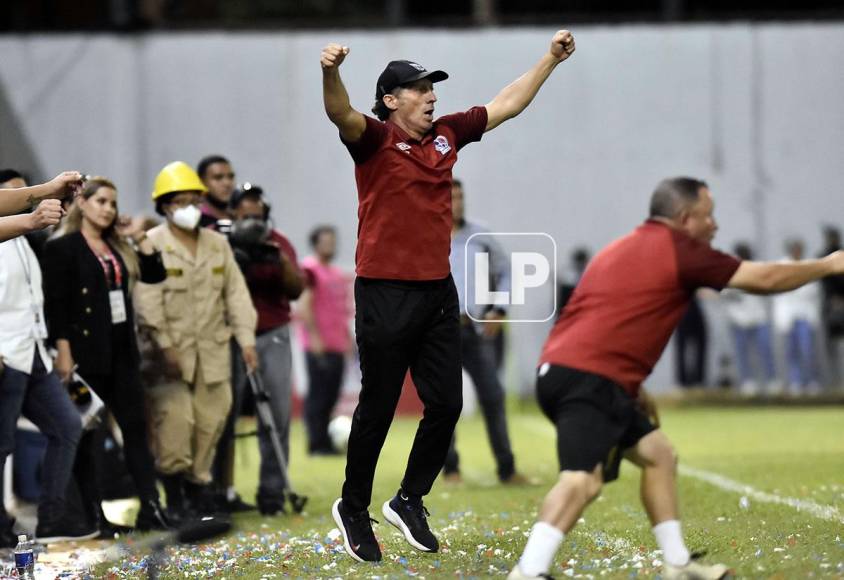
(165,319)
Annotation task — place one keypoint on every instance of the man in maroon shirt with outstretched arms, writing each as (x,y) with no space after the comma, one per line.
(407,309)
(610,336)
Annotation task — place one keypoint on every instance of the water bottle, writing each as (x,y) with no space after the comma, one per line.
(24,559)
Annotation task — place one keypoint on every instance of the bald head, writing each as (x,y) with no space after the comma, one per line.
(674,195)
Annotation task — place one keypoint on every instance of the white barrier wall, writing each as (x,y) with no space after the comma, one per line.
(756,110)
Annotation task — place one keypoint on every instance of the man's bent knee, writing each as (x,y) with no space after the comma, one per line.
(587,484)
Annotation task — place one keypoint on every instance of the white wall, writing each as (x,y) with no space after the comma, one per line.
(756,110)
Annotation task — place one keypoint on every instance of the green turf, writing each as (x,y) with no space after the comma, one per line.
(789,452)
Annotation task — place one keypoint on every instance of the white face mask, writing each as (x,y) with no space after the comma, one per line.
(186,218)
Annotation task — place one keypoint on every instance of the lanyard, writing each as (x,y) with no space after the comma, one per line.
(24,258)
(111,266)
(109,263)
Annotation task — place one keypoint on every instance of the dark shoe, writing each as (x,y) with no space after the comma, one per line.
(234,505)
(152,517)
(411,518)
(200,500)
(359,539)
(270,505)
(8,539)
(174,492)
(64,529)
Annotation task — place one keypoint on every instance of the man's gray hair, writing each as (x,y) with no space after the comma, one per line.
(675,194)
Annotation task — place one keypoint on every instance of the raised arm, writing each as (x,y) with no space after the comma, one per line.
(515,97)
(774,277)
(350,122)
(17,200)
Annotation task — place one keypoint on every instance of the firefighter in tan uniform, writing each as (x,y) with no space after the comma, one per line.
(192,316)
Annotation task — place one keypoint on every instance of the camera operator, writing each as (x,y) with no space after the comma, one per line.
(268,262)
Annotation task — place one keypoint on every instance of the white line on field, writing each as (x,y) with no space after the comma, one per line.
(824,512)
(821,511)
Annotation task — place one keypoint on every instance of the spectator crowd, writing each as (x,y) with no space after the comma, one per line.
(161,323)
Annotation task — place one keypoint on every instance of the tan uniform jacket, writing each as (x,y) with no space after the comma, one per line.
(203,303)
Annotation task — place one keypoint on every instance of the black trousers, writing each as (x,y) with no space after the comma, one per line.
(325,377)
(401,326)
(479,361)
(122,394)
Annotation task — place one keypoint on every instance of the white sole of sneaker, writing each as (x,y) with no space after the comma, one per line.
(394,519)
(58,539)
(347,545)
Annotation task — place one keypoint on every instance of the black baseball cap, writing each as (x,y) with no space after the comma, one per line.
(402,72)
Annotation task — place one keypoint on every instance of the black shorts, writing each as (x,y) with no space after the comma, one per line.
(596,419)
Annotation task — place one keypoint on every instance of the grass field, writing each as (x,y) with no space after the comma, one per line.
(789,525)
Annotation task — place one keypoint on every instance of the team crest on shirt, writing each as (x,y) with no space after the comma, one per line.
(404,147)
(441,145)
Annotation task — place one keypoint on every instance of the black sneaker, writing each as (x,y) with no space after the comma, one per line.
(358,537)
(64,530)
(411,518)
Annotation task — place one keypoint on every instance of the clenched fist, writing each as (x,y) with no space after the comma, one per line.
(48,213)
(67,184)
(333,55)
(836,259)
(562,45)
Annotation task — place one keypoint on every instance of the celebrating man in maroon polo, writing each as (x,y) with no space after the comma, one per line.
(408,316)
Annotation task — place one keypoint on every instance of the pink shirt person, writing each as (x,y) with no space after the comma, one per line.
(331,306)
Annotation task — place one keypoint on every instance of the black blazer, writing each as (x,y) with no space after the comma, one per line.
(76,302)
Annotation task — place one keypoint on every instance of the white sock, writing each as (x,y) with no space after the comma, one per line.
(670,540)
(540,550)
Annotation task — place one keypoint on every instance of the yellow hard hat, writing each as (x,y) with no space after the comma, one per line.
(177,176)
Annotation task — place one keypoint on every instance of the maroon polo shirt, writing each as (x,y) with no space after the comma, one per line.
(404,195)
(629,301)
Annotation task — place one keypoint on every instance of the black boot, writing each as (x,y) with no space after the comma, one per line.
(152,517)
(270,504)
(174,490)
(200,499)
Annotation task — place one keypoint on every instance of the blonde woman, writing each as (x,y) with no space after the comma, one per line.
(89,274)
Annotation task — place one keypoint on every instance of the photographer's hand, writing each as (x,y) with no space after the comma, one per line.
(250,358)
(292,278)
